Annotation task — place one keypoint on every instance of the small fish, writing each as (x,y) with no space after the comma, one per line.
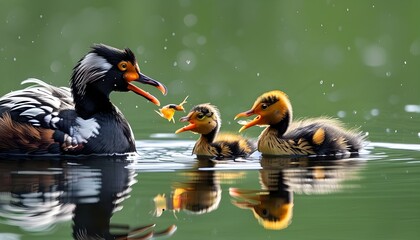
(168,111)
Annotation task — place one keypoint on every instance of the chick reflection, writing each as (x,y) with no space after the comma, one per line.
(41,193)
(200,194)
(272,205)
(281,178)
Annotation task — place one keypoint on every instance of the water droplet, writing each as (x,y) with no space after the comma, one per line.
(405,62)
(354,112)
(418,134)
(19,37)
(373,5)
(188,61)
(166,39)
(165,48)
(190,20)
(173,34)
(258,74)
(412,108)
(388,74)
(137,106)
(175,64)
(374,112)
(321,82)
(341,114)
(348,48)
(388,130)
(40,16)
(348,9)
(56,66)
(322,25)
(14,59)
(374,55)
(201,40)
(332,85)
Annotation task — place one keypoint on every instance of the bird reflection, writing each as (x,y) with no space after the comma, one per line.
(281,178)
(36,194)
(201,193)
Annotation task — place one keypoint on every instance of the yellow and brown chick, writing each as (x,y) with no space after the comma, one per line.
(313,136)
(168,111)
(205,119)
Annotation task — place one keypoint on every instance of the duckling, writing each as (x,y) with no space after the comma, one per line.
(313,136)
(168,111)
(205,119)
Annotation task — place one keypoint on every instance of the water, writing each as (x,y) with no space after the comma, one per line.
(355,60)
(374,196)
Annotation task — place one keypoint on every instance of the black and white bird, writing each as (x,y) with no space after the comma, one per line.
(44,119)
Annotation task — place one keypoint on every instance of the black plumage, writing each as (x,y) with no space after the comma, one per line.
(77,120)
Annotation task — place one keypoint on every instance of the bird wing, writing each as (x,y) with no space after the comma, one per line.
(39,105)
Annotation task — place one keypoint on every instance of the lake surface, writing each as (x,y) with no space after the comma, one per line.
(357,61)
(374,196)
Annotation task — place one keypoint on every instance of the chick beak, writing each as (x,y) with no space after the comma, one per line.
(141,78)
(180,108)
(189,127)
(257,120)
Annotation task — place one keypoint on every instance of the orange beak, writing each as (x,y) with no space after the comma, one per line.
(189,127)
(256,121)
(141,78)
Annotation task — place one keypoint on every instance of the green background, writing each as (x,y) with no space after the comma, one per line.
(332,58)
(357,60)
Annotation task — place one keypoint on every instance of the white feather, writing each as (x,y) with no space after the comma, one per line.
(47,108)
(34,121)
(92,60)
(86,129)
(23,106)
(32,112)
(24,100)
(47,118)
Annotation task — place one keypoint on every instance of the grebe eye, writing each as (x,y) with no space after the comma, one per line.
(122,65)
(264,106)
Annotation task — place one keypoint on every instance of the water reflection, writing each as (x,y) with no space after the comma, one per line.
(280,178)
(200,193)
(37,194)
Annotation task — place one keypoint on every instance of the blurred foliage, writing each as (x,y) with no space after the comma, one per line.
(338,58)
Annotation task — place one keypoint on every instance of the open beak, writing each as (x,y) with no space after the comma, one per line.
(189,127)
(145,80)
(247,194)
(256,121)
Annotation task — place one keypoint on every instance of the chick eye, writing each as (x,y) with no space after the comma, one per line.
(265,213)
(264,106)
(200,116)
(122,65)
